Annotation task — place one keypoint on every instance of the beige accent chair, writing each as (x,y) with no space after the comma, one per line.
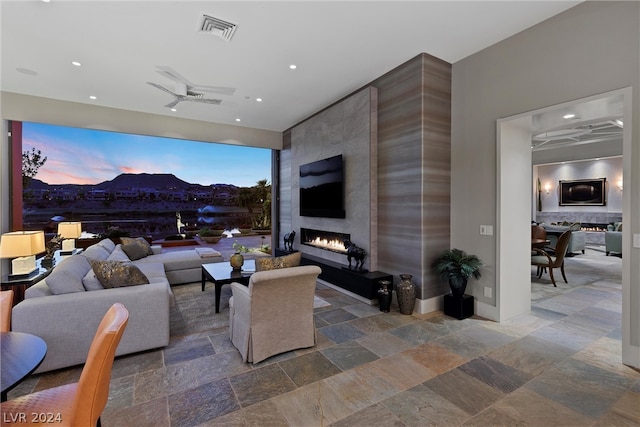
(274,314)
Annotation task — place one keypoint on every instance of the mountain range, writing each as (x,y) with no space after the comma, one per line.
(156,181)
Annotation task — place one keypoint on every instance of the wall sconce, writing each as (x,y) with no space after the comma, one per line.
(620,184)
(69,231)
(23,246)
(547,188)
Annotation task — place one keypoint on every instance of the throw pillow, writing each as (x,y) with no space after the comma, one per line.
(134,251)
(291,260)
(67,277)
(138,241)
(116,274)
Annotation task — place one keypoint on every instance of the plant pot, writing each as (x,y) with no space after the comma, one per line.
(406,294)
(236,261)
(211,239)
(458,291)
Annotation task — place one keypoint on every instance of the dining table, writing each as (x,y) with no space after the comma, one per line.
(21,354)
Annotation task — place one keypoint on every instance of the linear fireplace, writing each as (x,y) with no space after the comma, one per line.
(327,240)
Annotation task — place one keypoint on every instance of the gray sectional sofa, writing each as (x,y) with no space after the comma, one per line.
(66,308)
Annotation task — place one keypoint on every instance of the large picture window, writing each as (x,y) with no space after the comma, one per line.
(139,184)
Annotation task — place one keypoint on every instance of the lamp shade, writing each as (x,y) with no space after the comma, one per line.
(21,243)
(70,230)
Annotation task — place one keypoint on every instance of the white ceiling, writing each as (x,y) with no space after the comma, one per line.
(338,47)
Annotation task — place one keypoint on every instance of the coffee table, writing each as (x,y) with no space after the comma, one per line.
(221,273)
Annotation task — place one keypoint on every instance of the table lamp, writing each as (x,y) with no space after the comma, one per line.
(69,231)
(23,246)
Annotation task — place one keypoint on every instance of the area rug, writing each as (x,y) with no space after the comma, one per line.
(194,311)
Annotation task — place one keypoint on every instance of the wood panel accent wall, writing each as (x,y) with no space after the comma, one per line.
(410,215)
(414,167)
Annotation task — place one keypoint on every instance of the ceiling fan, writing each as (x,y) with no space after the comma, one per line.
(187,91)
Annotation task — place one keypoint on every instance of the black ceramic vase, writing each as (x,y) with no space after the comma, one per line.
(406,294)
(385,295)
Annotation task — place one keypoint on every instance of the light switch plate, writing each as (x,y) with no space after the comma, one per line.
(636,240)
(486,230)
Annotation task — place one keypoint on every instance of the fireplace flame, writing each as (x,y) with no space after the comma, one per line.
(333,244)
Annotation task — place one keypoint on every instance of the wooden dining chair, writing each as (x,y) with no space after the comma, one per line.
(81,403)
(544,260)
(6,303)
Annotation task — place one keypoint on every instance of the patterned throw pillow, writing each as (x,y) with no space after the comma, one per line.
(134,251)
(116,274)
(138,241)
(291,260)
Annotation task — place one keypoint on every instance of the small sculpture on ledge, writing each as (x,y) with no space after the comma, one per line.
(357,253)
(51,247)
(288,241)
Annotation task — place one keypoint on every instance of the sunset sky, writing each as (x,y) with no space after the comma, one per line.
(83,156)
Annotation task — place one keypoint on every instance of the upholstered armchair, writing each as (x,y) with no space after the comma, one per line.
(274,314)
(613,242)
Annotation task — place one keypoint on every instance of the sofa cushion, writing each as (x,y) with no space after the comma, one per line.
(273,263)
(96,252)
(177,260)
(107,244)
(140,241)
(134,251)
(153,270)
(91,282)
(118,254)
(67,276)
(116,274)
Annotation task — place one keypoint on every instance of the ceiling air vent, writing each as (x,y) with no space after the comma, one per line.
(217,27)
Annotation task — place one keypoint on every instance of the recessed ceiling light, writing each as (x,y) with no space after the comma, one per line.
(46,1)
(293,66)
(258,99)
(619,123)
(569,116)
(174,110)
(237,120)
(93,97)
(76,63)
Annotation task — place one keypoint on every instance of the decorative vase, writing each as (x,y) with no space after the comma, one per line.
(406,294)
(236,261)
(458,291)
(385,295)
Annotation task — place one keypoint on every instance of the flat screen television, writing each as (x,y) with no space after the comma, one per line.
(322,188)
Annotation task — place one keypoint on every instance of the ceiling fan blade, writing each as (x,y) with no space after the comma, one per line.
(172,74)
(173,103)
(206,100)
(220,90)
(162,88)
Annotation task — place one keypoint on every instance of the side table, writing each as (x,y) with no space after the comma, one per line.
(19,286)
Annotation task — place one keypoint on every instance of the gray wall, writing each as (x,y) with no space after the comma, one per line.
(346,128)
(590,49)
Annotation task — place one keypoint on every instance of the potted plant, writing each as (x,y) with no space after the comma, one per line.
(209,235)
(456,266)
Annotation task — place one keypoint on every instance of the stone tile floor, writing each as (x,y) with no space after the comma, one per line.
(556,366)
